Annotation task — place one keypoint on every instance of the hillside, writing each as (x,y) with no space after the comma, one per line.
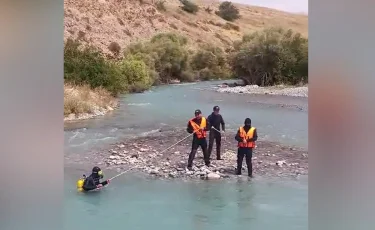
(101,22)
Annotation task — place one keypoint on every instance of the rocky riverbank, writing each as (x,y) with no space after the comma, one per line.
(274,90)
(146,155)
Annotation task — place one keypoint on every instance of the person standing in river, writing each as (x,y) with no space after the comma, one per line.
(215,120)
(198,126)
(246,137)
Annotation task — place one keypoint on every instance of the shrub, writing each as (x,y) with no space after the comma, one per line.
(208,9)
(211,63)
(189,6)
(88,66)
(230,26)
(187,76)
(270,57)
(228,11)
(165,54)
(115,48)
(160,5)
(136,74)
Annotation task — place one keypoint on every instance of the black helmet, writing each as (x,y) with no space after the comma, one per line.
(96,169)
(216,108)
(197,112)
(247,121)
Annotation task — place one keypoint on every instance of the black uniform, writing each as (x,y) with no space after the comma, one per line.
(215,120)
(197,142)
(91,182)
(245,152)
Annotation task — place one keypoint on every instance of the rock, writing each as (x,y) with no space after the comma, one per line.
(121,146)
(71,116)
(154,171)
(200,173)
(177,152)
(114,152)
(212,176)
(126,152)
(113,157)
(173,174)
(189,173)
(167,163)
(280,163)
(180,169)
(143,149)
(135,155)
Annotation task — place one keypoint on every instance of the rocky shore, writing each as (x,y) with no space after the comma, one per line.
(145,154)
(83,116)
(274,90)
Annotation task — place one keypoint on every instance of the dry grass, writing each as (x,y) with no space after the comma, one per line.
(104,21)
(84,100)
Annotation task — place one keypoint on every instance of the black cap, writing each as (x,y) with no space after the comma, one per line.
(247,121)
(96,169)
(197,111)
(216,108)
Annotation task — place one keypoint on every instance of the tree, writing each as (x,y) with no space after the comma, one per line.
(228,11)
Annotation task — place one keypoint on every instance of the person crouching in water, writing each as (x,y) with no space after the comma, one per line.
(93,181)
(246,137)
(198,126)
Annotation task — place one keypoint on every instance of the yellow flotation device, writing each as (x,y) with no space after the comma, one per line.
(80,184)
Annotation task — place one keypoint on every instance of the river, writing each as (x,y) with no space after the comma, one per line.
(134,202)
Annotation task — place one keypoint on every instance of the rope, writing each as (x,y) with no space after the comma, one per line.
(177,143)
(121,173)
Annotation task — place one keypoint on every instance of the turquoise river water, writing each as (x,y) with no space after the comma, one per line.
(133,202)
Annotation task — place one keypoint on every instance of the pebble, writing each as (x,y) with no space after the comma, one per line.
(254,89)
(212,175)
(280,163)
(148,159)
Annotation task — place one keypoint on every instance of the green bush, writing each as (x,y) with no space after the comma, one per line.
(189,7)
(270,57)
(87,66)
(211,63)
(137,75)
(166,54)
(228,11)
(187,76)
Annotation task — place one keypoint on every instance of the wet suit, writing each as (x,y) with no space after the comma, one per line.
(246,152)
(197,142)
(215,120)
(93,181)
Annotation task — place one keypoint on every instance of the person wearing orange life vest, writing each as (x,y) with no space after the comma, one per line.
(246,137)
(198,125)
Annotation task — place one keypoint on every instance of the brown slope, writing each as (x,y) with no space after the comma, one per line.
(100,22)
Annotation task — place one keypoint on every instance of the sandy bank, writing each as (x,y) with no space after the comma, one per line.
(143,153)
(81,102)
(274,90)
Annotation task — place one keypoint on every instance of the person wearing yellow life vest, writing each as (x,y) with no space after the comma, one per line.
(246,137)
(198,125)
